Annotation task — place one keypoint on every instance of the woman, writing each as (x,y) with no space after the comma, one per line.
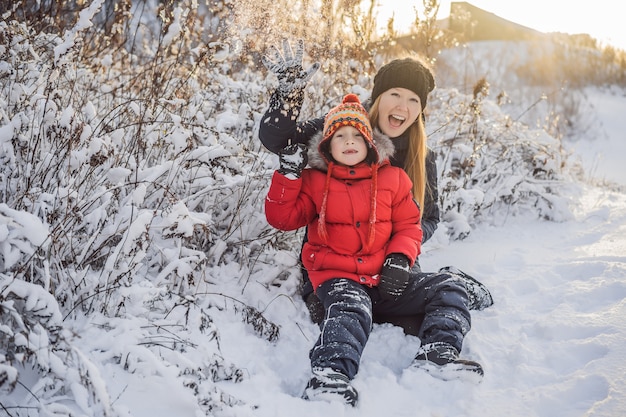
(435,304)
(396,112)
(398,99)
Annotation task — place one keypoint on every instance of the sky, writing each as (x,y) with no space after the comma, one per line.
(599,18)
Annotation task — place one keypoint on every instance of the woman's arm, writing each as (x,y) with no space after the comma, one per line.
(430,215)
(279,125)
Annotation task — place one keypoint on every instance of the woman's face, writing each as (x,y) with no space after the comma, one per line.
(398,108)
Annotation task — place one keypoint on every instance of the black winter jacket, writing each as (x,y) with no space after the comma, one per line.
(279,125)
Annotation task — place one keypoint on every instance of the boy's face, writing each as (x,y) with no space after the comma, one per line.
(347,146)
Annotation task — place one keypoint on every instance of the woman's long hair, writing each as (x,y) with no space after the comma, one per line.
(415,159)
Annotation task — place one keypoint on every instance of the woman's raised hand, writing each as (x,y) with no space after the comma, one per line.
(288,67)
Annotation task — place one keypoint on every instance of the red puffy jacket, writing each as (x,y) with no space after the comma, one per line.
(362,227)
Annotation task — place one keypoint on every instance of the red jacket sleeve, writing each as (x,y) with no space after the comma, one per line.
(286,207)
(406,234)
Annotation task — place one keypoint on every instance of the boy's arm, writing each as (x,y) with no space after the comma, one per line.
(286,206)
(404,244)
(406,233)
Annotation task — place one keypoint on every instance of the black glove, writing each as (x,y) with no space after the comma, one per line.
(316,308)
(293,158)
(292,77)
(394,277)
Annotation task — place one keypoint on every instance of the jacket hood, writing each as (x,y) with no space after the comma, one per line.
(382,143)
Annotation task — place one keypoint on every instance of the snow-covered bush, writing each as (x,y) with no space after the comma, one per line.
(116,202)
(34,346)
(131,203)
(489,164)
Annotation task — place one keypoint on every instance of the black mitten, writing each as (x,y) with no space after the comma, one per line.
(292,77)
(293,158)
(394,277)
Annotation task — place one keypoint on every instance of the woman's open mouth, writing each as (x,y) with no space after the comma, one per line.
(395,120)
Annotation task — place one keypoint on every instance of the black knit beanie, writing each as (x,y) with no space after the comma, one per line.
(404,73)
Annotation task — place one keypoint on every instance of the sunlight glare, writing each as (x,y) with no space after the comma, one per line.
(600,18)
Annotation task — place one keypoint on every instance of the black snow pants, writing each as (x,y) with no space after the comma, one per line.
(439,298)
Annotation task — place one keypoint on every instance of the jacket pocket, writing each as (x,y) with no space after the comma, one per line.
(313,257)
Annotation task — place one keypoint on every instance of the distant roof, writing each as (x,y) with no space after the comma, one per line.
(478,24)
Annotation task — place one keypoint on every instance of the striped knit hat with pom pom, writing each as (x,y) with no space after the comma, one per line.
(349,113)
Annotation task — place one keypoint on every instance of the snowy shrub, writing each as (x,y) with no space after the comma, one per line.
(116,201)
(132,183)
(489,164)
(33,341)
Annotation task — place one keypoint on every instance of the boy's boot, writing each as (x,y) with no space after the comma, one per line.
(442,361)
(327,384)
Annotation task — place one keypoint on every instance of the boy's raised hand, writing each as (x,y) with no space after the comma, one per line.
(293,158)
(288,67)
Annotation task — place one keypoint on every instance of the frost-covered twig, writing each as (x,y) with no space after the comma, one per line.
(84,21)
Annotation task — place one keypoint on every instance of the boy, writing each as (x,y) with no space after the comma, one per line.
(363,235)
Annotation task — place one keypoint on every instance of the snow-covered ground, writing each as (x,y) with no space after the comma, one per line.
(553,344)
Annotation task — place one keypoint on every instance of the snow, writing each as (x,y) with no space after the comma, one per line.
(600,166)
(19,232)
(552,344)
(239,336)
(84,21)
